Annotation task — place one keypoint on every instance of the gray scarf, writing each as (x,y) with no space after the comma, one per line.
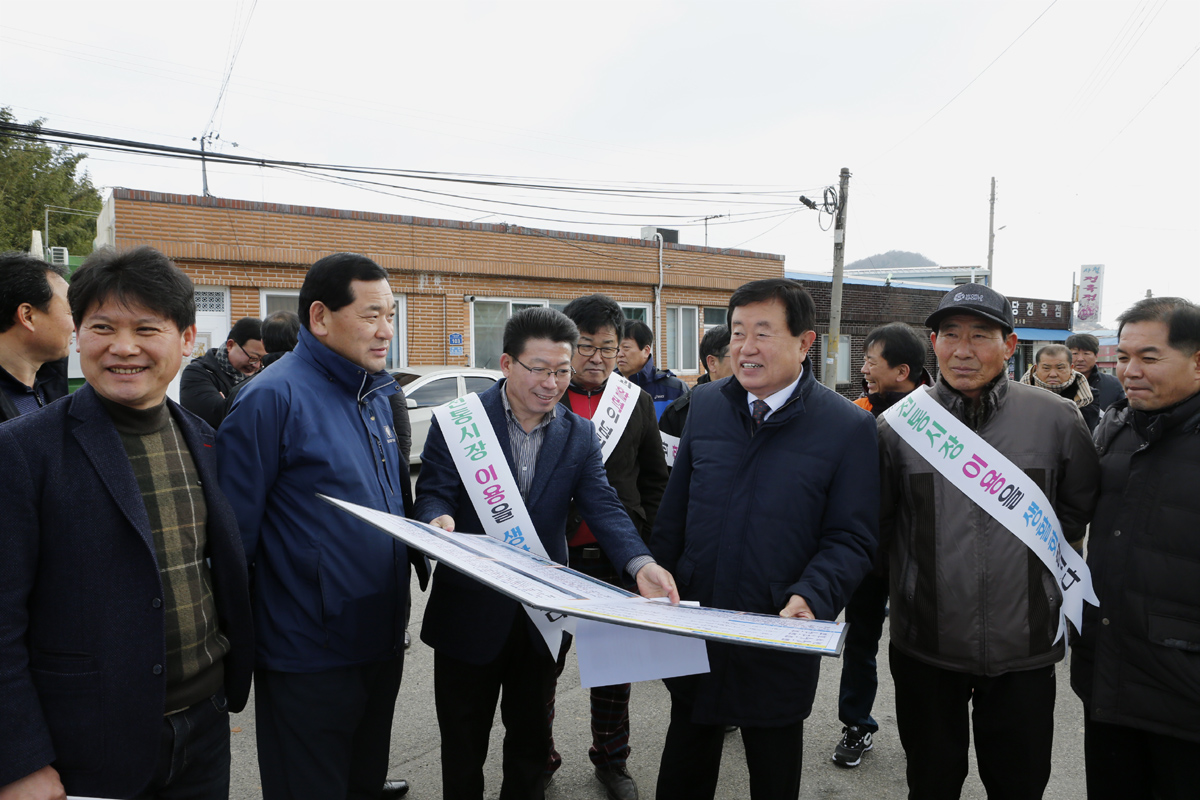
(1076,389)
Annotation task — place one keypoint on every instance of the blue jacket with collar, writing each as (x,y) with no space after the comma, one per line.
(468,621)
(328,590)
(751,518)
(661,384)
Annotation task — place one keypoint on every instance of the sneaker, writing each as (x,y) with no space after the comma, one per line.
(618,782)
(849,751)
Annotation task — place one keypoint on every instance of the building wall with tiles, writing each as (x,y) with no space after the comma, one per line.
(251,246)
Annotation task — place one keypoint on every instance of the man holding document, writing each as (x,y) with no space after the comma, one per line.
(770,508)
(484,642)
(987,484)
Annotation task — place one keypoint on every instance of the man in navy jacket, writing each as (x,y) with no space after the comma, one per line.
(772,507)
(329,592)
(483,641)
(125,635)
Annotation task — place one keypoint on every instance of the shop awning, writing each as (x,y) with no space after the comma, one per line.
(1041,334)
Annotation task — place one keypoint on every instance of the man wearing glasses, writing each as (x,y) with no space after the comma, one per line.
(485,645)
(207,381)
(637,470)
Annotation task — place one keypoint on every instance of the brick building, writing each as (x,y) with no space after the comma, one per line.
(455,282)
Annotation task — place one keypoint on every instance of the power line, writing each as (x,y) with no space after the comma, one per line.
(1151,100)
(970,84)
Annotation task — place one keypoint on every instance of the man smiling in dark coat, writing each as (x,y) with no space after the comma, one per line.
(772,507)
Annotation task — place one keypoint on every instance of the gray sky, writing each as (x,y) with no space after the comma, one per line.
(763,96)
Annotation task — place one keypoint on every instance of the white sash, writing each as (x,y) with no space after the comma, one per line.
(670,447)
(494,493)
(1000,488)
(613,413)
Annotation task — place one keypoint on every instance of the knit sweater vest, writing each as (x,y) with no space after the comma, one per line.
(174,499)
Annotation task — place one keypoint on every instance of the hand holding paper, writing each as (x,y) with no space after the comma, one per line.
(445,522)
(797,608)
(654,581)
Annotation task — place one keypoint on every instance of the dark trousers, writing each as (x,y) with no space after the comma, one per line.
(466,695)
(691,759)
(1124,763)
(325,735)
(860,678)
(193,756)
(1013,721)
(609,704)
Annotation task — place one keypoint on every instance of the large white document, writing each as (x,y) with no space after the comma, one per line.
(558,591)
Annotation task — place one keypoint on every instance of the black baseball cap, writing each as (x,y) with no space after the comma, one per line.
(977,299)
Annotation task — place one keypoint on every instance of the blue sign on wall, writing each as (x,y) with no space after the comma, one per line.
(456,338)
(456,351)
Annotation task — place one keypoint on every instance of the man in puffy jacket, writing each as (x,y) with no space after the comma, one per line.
(1136,665)
(893,366)
(1106,389)
(208,380)
(328,591)
(771,508)
(974,612)
(636,362)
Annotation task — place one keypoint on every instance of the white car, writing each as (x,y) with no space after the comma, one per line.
(425,388)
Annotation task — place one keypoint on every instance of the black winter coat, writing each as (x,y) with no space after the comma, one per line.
(203,388)
(1137,662)
(750,519)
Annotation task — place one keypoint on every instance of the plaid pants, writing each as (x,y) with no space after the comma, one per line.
(610,728)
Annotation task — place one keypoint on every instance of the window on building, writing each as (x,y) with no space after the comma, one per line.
(843,373)
(487,328)
(683,354)
(714,316)
(638,312)
(272,300)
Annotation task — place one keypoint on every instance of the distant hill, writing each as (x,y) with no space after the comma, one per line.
(892,259)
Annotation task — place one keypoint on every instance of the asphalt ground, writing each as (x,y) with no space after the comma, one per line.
(415,753)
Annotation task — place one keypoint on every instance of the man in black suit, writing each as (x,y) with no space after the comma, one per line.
(125,634)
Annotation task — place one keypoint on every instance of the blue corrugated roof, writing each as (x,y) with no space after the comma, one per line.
(1042,334)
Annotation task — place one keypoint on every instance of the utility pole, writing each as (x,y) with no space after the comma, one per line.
(833,355)
(992,235)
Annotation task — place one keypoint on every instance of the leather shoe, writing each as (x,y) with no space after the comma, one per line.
(617,781)
(393,789)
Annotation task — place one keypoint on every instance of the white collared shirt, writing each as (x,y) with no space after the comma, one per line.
(776,400)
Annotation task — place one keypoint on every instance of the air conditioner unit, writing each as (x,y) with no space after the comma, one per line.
(58,255)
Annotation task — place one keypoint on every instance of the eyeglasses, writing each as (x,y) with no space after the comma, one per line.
(253,359)
(541,372)
(589,350)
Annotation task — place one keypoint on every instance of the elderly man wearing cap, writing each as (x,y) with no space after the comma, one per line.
(974,612)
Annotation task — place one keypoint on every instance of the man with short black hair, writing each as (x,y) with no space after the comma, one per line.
(208,380)
(35,334)
(637,469)
(329,591)
(714,355)
(485,646)
(1136,664)
(280,334)
(771,508)
(974,607)
(636,362)
(1105,388)
(125,633)
(1051,370)
(893,366)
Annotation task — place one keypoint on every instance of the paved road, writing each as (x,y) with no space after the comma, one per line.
(881,775)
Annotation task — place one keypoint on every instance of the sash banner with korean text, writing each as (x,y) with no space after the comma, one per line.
(1000,488)
(670,447)
(613,413)
(493,490)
